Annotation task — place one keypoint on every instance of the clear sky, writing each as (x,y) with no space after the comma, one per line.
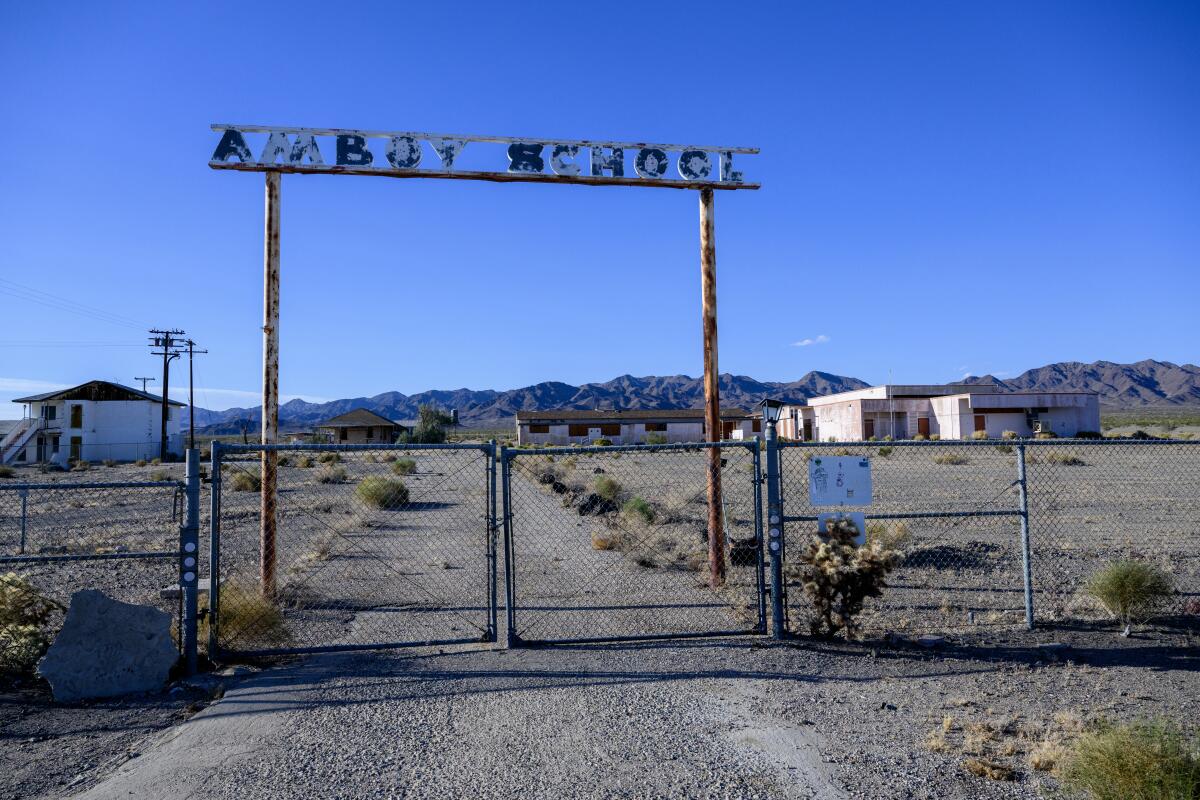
(947,188)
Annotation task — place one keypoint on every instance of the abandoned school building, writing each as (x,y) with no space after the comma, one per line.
(360,426)
(948,412)
(667,426)
(94,421)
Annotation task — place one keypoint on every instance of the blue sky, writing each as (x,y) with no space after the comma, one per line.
(947,188)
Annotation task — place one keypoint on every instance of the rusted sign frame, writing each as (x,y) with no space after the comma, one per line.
(522,152)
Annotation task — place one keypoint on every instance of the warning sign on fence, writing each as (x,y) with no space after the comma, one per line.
(839,481)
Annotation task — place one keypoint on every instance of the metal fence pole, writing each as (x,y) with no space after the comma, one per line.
(1026,566)
(492,527)
(24,503)
(510,592)
(189,546)
(759,565)
(214,549)
(775,534)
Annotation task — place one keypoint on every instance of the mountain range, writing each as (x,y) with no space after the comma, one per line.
(1143,384)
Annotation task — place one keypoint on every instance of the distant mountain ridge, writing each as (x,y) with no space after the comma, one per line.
(1146,383)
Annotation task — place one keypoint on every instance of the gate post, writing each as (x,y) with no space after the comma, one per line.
(510,591)
(775,532)
(189,547)
(492,529)
(1026,566)
(214,549)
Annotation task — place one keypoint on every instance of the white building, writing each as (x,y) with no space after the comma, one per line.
(949,412)
(666,426)
(95,421)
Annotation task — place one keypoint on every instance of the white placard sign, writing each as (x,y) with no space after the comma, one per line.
(839,481)
(857,517)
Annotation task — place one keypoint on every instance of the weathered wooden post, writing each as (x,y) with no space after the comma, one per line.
(270,386)
(712,398)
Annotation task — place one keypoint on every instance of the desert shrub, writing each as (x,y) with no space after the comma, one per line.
(160,476)
(831,439)
(1142,760)
(1046,435)
(886,451)
(920,437)
(1064,459)
(245,480)
(110,462)
(305,462)
(388,458)
(606,541)
(81,466)
(331,474)
(156,461)
(606,487)
(602,442)
(6,472)
(248,617)
(979,435)
(570,462)
(655,438)
(141,462)
(371,458)
(283,461)
(382,492)
(888,438)
(1130,590)
(953,459)
(889,535)
(639,507)
(1009,435)
(935,437)
(1088,435)
(404,466)
(838,576)
(330,458)
(872,439)
(1004,448)
(24,623)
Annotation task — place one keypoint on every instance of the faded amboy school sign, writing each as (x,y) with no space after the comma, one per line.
(428,155)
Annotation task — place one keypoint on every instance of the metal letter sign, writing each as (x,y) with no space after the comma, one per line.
(399,155)
(839,481)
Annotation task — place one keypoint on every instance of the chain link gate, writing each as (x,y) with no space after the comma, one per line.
(376,546)
(610,543)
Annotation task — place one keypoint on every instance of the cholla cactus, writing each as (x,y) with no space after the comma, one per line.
(839,575)
(24,618)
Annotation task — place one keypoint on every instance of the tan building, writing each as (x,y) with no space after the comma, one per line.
(571,426)
(949,412)
(360,426)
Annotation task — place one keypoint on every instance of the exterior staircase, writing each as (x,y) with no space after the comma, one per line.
(17,438)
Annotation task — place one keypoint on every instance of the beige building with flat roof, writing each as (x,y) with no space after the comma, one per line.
(949,412)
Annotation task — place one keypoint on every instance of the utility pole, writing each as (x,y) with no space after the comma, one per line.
(169,349)
(191,346)
(144,381)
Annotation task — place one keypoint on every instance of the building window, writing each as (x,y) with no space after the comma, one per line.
(577,430)
(660,427)
(756,426)
(76,416)
(49,413)
(611,429)
(54,445)
(370,433)
(342,433)
(539,428)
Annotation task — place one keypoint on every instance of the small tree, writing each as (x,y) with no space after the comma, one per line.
(1130,590)
(431,425)
(839,575)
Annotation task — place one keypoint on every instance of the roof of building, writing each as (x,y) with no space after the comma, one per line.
(898,391)
(96,391)
(610,414)
(358,418)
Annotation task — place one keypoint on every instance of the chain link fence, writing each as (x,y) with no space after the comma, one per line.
(121,538)
(375,546)
(953,510)
(612,542)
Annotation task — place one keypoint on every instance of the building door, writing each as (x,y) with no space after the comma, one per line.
(726,429)
(868,428)
(808,430)
(980,422)
(923,426)
(76,442)
(41,449)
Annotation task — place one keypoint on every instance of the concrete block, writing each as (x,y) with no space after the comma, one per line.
(108,648)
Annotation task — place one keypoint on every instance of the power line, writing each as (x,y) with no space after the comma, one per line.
(32,295)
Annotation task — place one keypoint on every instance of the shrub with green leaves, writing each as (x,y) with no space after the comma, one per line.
(952,459)
(920,437)
(404,466)
(305,462)
(160,476)
(329,458)
(382,492)
(1151,760)
(606,487)
(6,471)
(602,442)
(81,466)
(655,438)
(246,480)
(141,462)
(886,451)
(639,507)
(838,576)
(935,437)
(1009,435)
(248,618)
(25,615)
(1131,591)
(331,474)
(1064,459)
(979,436)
